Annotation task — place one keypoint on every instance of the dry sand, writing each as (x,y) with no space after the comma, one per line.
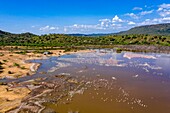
(11,98)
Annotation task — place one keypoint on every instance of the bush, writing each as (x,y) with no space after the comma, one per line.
(17,65)
(21,52)
(9,72)
(23,67)
(67,49)
(1,54)
(118,50)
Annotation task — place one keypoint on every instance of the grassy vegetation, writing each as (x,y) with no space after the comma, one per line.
(144,35)
(16,65)
(23,67)
(66,41)
(1,54)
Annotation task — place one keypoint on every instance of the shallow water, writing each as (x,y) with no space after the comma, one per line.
(114,83)
(117,84)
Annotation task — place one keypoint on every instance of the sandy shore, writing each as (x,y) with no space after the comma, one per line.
(11,98)
(14,66)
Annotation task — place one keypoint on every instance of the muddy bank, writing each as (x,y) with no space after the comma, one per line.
(59,88)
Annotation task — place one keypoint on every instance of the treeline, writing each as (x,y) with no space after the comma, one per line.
(61,40)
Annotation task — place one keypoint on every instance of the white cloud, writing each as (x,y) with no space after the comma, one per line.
(160,9)
(137,8)
(105,22)
(165,6)
(146,12)
(132,15)
(155,21)
(76,26)
(48,28)
(166,19)
(131,23)
(65,29)
(116,19)
(104,25)
(164,13)
(53,28)
(146,22)
(164,10)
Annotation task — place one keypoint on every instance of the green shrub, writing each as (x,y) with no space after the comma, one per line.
(17,65)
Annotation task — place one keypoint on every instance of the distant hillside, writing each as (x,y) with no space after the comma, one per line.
(3,33)
(137,36)
(158,29)
(7,38)
(7,34)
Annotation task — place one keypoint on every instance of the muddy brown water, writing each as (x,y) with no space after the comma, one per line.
(113,82)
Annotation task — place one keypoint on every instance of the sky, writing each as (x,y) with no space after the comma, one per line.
(80,16)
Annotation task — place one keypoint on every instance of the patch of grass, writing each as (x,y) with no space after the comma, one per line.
(67,49)
(17,65)
(23,67)
(1,54)
(21,52)
(119,50)
(38,52)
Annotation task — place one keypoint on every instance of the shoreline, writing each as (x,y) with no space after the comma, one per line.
(15,65)
(11,94)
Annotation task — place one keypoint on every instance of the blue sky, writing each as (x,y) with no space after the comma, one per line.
(80,16)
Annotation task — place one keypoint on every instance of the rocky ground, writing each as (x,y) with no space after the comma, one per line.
(43,90)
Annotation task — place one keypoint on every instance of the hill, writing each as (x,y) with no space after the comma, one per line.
(158,29)
(3,33)
(136,36)
(10,35)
